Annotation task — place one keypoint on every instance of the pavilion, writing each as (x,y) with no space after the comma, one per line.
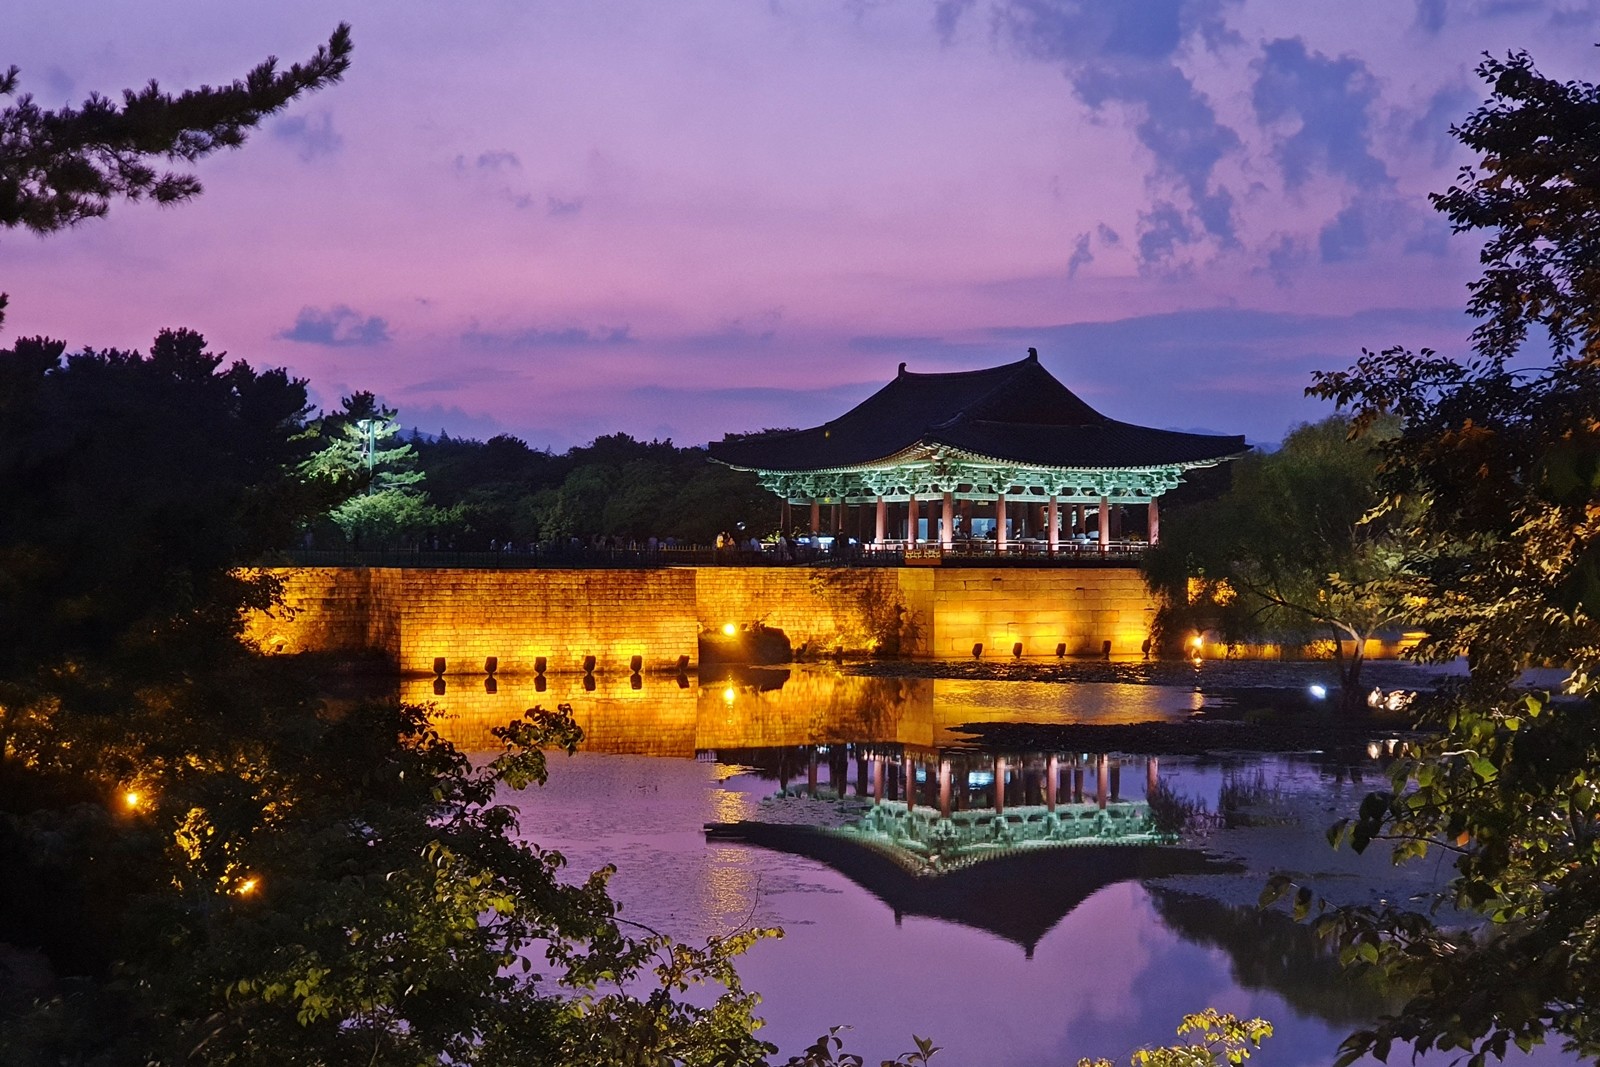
(1005,456)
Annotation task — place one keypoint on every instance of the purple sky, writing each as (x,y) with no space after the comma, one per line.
(680,219)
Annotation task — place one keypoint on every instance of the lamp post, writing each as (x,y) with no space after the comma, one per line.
(369,445)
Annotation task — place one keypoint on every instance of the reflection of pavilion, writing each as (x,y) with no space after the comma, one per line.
(1007,843)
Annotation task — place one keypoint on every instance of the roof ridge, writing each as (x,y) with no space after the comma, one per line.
(1024,361)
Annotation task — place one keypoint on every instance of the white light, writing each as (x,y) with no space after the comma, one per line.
(1319,691)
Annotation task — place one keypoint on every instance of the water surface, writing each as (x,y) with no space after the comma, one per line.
(1115,971)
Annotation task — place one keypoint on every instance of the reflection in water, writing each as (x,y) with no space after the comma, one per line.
(1008,843)
(1111,963)
(1268,950)
(666,715)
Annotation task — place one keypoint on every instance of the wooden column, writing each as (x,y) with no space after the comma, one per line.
(1053,521)
(1105,522)
(1152,776)
(1155,522)
(909,766)
(816,514)
(1102,784)
(877,779)
(999,785)
(944,789)
(1000,521)
(811,773)
(911,519)
(882,517)
(1052,773)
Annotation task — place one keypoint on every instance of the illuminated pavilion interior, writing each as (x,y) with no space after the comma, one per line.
(1006,455)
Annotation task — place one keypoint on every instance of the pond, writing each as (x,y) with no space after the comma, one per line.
(1036,956)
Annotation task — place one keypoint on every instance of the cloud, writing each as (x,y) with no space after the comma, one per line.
(60,84)
(557,208)
(312,135)
(1081,256)
(496,160)
(337,327)
(550,337)
(895,344)
(737,333)
(1162,230)
(1237,370)
(1431,129)
(1431,16)
(947,16)
(1123,52)
(1327,103)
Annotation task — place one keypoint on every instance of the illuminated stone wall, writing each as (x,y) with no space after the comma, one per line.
(1080,607)
(823,610)
(516,616)
(415,616)
(465,616)
(333,609)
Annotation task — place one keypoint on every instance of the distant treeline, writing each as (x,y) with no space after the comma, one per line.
(501,492)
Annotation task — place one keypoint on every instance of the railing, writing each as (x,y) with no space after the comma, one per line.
(890,554)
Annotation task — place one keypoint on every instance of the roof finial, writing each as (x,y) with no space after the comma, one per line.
(902,369)
(1033,354)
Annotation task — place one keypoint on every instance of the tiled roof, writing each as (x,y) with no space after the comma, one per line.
(1016,413)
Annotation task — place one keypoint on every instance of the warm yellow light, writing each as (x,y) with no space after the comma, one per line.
(247,887)
(729,628)
(132,798)
(1196,642)
(728,694)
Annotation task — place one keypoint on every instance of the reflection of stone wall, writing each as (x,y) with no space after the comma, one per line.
(466,616)
(813,707)
(657,719)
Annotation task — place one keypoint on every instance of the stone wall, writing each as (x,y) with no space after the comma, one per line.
(415,616)
(1079,607)
(333,609)
(466,616)
(823,610)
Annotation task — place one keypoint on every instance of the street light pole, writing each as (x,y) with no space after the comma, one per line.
(369,445)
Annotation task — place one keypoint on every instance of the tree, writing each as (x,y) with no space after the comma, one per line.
(1537,191)
(359,451)
(1299,546)
(204,862)
(135,485)
(58,168)
(1501,472)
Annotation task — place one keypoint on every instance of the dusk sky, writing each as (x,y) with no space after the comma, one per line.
(680,219)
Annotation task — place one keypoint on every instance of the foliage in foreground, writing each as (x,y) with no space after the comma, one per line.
(61,167)
(1497,470)
(1223,1039)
